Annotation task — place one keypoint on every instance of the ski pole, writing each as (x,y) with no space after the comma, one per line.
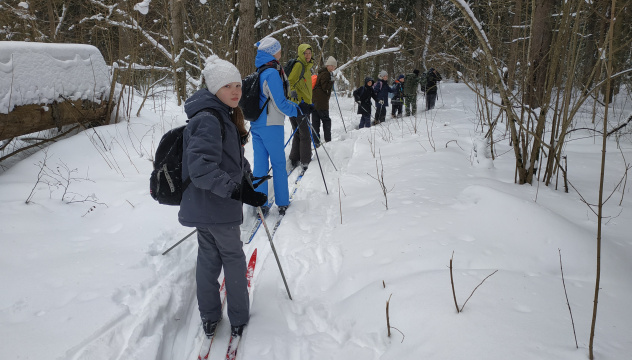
(179,242)
(318,158)
(323,146)
(276,256)
(339,109)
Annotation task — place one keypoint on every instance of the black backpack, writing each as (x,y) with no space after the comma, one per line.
(423,81)
(250,91)
(165,183)
(290,65)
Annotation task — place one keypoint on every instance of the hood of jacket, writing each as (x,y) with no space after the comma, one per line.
(262,58)
(203,99)
(301,55)
(367,79)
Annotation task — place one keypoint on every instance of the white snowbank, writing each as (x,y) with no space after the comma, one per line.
(40,73)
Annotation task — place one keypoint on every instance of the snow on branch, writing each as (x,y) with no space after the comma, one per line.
(395,34)
(484,42)
(282,30)
(367,55)
(132,25)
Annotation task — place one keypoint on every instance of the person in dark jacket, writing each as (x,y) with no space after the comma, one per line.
(321,94)
(410,92)
(432,79)
(363,96)
(398,97)
(382,89)
(268,143)
(214,161)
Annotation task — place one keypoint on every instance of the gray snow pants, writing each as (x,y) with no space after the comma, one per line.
(302,141)
(221,246)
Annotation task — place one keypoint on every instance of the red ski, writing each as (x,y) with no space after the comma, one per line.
(233,343)
(205,350)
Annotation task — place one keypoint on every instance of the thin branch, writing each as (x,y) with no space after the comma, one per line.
(476,288)
(567,303)
(452,282)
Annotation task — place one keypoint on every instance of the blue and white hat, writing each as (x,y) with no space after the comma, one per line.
(269,45)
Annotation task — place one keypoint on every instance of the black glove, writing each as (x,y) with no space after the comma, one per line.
(246,194)
(306,108)
(256,181)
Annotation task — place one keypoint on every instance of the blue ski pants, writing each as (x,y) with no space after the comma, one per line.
(268,147)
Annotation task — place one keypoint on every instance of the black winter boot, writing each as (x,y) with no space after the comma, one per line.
(209,328)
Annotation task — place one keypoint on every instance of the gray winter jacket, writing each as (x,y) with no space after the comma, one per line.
(215,165)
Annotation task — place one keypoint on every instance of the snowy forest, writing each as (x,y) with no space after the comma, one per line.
(533,54)
(541,79)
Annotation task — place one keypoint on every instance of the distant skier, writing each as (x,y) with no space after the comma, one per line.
(382,89)
(410,92)
(363,96)
(321,94)
(432,78)
(398,97)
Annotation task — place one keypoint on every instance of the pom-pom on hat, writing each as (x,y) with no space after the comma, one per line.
(218,72)
(269,45)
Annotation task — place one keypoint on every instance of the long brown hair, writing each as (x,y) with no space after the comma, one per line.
(237,118)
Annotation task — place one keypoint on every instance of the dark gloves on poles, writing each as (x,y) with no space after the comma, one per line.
(246,194)
(306,108)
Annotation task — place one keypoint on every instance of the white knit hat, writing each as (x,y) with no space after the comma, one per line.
(331,61)
(269,45)
(382,74)
(218,72)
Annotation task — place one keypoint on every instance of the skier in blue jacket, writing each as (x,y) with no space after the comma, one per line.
(268,130)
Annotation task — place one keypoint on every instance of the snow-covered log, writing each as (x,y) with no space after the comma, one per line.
(44,86)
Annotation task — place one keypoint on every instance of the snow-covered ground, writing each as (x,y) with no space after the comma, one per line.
(86,279)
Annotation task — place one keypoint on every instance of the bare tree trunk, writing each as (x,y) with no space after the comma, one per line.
(332,32)
(245,49)
(611,53)
(419,53)
(353,52)
(265,16)
(429,20)
(539,51)
(513,48)
(177,33)
(51,19)
(365,27)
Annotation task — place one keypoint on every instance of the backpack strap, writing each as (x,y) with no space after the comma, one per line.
(259,71)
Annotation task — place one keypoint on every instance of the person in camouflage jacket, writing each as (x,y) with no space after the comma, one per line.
(411,83)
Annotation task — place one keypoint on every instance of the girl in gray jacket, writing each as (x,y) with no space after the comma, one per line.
(213,158)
